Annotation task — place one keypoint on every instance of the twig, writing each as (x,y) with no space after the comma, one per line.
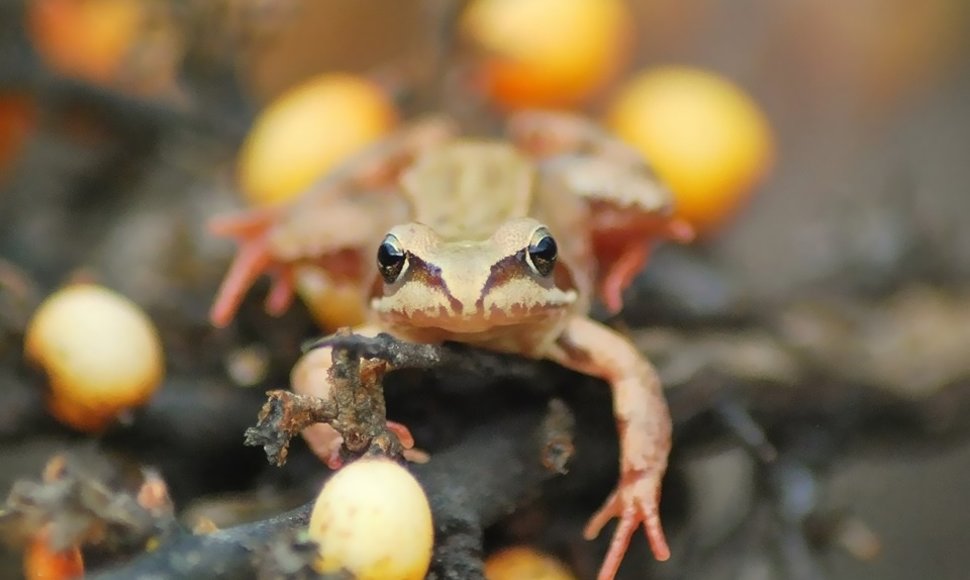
(80,501)
(448,356)
(510,462)
(283,416)
(223,554)
(356,409)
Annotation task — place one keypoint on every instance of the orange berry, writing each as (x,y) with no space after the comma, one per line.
(120,43)
(705,137)
(306,131)
(101,353)
(84,38)
(17,116)
(548,53)
(525,562)
(41,562)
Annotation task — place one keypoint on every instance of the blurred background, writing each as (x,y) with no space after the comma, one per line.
(821,149)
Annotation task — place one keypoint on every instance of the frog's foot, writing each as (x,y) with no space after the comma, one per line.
(621,270)
(403,434)
(635,501)
(325,442)
(411,453)
(252,260)
(621,275)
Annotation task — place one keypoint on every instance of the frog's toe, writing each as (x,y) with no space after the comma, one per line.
(325,442)
(635,502)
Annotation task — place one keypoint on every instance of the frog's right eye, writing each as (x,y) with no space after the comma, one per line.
(541,253)
(390,258)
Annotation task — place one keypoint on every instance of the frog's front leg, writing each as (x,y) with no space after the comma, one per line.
(644,428)
(311,376)
(330,227)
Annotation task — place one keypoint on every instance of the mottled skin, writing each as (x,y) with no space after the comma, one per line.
(474,263)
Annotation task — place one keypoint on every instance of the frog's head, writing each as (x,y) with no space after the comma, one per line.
(514,277)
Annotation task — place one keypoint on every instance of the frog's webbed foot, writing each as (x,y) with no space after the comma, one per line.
(644,428)
(636,501)
(410,452)
(253,258)
(622,257)
(402,432)
(620,275)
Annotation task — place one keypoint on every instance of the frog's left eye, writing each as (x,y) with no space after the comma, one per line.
(390,258)
(541,253)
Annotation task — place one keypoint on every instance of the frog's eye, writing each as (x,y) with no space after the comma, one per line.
(390,258)
(541,253)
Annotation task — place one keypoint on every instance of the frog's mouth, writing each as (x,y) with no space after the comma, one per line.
(486,314)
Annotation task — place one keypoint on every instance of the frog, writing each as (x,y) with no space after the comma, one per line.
(506,245)
(308,239)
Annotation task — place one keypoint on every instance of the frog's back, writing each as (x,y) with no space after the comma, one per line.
(466,189)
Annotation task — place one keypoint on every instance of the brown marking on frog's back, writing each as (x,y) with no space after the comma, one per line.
(467,189)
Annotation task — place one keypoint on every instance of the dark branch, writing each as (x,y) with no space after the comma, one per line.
(510,463)
(450,356)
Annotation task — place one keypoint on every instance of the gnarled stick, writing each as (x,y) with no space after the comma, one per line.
(512,459)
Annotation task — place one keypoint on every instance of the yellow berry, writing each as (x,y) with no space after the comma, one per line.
(126,43)
(42,562)
(522,562)
(306,131)
(706,138)
(547,53)
(333,304)
(372,518)
(101,353)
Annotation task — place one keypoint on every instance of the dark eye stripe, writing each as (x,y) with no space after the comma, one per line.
(502,271)
(508,268)
(423,272)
